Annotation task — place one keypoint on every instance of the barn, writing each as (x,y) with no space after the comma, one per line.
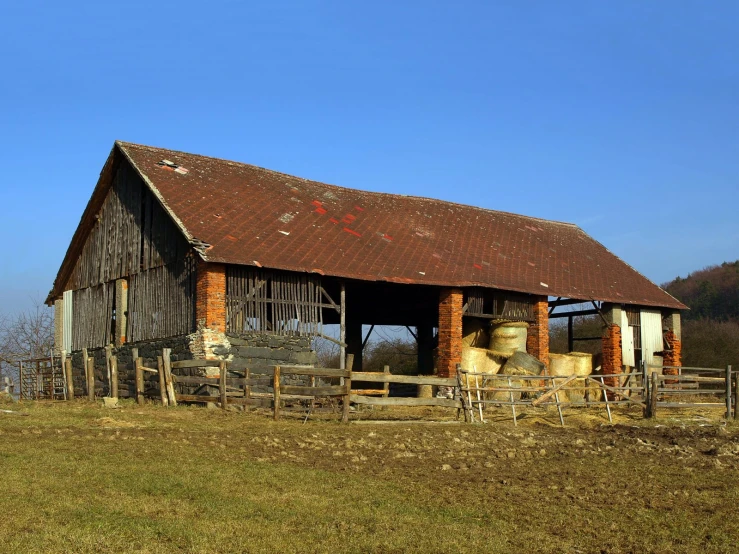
(218,259)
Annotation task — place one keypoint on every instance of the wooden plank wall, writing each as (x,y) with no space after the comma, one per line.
(133,233)
(133,238)
(502,304)
(161,301)
(92,315)
(281,303)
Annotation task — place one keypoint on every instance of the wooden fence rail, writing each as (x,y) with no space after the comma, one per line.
(693,387)
(479,390)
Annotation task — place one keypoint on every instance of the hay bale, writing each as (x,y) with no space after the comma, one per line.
(509,337)
(480,360)
(475,333)
(561,364)
(522,363)
(425,391)
(582,363)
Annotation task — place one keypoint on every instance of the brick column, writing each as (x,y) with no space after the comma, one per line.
(672,356)
(612,360)
(537,340)
(450,331)
(210,297)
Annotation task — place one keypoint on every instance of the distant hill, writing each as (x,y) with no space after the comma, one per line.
(711,293)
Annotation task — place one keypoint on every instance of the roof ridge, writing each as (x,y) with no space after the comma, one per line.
(391,194)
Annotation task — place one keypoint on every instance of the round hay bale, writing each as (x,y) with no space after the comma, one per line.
(582,363)
(475,333)
(480,360)
(576,391)
(425,391)
(523,362)
(561,364)
(509,336)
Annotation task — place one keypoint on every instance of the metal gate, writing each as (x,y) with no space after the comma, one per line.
(42,379)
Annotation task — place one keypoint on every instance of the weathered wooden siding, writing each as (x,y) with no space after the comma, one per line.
(161,301)
(280,303)
(134,239)
(92,316)
(133,233)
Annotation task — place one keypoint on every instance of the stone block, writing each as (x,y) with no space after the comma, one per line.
(303,358)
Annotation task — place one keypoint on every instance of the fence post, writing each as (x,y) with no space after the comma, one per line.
(162,381)
(653,395)
(736,395)
(348,385)
(114,376)
(91,380)
(276,392)
(108,370)
(386,385)
(70,381)
(728,392)
(139,381)
(645,388)
(222,385)
(171,394)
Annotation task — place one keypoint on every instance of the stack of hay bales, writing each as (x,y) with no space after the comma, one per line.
(520,363)
(475,333)
(574,363)
(481,360)
(508,337)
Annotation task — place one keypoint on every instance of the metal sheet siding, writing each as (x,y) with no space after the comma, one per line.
(67,321)
(651,336)
(627,341)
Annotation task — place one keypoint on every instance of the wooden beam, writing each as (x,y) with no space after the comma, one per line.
(366,339)
(567,302)
(574,314)
(570,333)
(342,328)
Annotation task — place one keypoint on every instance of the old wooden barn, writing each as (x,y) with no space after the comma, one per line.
(218,259)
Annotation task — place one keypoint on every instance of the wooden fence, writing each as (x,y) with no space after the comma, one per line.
(469,392)
(692,387)
(480,390)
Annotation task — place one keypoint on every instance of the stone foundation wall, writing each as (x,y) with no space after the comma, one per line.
(257,351)
(126,374)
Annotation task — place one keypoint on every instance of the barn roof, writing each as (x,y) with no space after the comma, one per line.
(242,214)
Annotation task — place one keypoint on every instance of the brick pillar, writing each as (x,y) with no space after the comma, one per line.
(210,297)
(537,340)
(672,356)
(612,364)
(450,331)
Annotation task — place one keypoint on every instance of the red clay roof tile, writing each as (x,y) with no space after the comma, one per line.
(250,215)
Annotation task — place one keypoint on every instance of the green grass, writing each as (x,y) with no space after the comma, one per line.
(78,478)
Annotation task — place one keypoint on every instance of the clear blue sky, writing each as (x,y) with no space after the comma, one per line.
(622,117)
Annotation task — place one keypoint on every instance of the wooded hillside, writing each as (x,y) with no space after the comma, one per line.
(711,293)
(711,326)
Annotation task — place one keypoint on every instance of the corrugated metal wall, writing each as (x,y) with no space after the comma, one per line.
(67,321)
(651,336)
(627,341)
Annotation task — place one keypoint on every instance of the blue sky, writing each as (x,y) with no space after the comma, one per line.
(622,117)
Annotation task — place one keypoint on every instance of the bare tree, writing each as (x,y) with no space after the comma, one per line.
(27,334)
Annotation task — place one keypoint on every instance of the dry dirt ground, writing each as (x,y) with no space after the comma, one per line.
(78,477)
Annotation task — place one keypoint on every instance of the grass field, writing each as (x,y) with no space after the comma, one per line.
(80,478)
